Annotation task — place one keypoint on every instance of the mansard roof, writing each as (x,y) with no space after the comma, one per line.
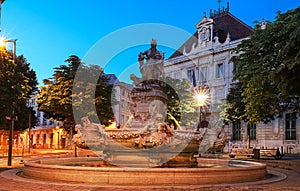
(227,23)
(224,23)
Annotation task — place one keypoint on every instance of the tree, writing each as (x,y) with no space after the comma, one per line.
(234,107)
(65,99)
(266,73)
(267,68)
(104,100)
(92,90)
(181,103)
(17,83)
(55,97)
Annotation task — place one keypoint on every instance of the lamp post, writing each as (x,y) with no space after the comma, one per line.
(58,128)
(201,97)
(29,129)
(13,118)
(1,2)
(11,134)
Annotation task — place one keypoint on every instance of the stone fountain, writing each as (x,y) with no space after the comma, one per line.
(147,140)
(147,151)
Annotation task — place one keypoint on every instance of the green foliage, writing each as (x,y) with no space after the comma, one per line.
(234,108)
(93,91)
(55,97)
(181,103)
(104,100)
(17,83)
(71,94)
(267,71)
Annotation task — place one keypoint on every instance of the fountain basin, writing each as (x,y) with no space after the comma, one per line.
(213,171)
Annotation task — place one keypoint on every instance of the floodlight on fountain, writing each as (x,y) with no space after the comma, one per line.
(112,125)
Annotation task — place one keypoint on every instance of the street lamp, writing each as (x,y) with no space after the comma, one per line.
(30,106)
(1,2)
(202,97)
(3,43)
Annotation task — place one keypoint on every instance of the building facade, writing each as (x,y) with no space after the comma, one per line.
(122,108)
(49,138)
(204,59)
(41,120)
(17,142)
(44,133)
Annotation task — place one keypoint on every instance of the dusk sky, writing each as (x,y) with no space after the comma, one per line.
(49,31)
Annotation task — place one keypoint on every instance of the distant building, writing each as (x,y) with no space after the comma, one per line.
(112,78)
(122,108)
(204,59)
(41,120)
(17,143)
(45,133)
(49,138)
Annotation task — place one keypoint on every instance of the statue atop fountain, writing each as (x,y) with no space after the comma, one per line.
(149,99)
(152,69)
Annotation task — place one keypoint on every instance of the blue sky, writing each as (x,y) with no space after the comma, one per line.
(48,31)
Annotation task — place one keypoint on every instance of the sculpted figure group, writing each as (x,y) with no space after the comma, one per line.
(152,69)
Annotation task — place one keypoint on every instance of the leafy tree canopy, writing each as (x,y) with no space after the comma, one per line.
(61,95)
(181,102)
(17,82)
(267,68)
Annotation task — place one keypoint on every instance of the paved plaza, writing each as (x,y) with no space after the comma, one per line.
(289,166)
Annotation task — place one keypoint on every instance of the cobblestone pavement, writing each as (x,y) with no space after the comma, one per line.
(288,166)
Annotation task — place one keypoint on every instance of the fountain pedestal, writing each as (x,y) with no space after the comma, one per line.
(148,104)
(166,155)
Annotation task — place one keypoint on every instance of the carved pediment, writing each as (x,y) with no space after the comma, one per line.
(204,22)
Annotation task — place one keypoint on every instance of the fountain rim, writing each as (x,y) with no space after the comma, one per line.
(42,163)
(39,169)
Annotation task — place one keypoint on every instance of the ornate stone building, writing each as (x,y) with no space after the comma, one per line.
(204,59)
